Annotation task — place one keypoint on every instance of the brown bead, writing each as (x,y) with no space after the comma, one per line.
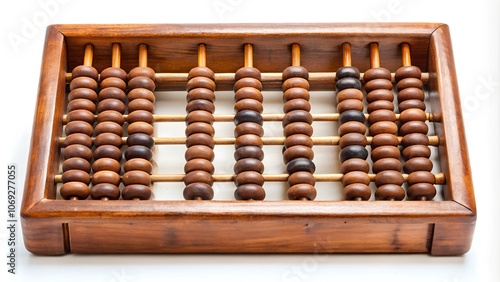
(411,94)
(78,127)
(248,93)
(296,104)
(416,151)
(138,164)
(350,104)
(381,115)
(136,177)
(75,175)
(138,151)
(83,70)
(354,164)
(83,82)
(301,191)
(113,72)
(378,83)
(141,104)
(384,140)
(380,94)
(106,164)
(249,177)
(296,93)
(108,139)
(81,115)
(198,176)
(200,139)
(200,82)
(113,82)
(297,116)
(105,191)
(421,177)
(199,127)
(382,127)
(355,177)
(201,93)
(111,116)
(357,191)
(352,127)
(136,191)
(298,139)
(248,104)
(201,71)
(108,127)
(417,164)
(111,104)
(249,152)
(349,93)
(199,151)
(200,104)
(140,115)
(408,71)
(83,93)
(78,138)
(250,192)
(421,191)
(390,192)
(389,177)
(141,93)
(106,176)
(409,82)
(247,72)
(387,164)
(247,82)
(74,189)
(298,151)
(77,150)
(141,82)
(195,191)
(248,128)
(199,164)
(112,93)
(141,71)
(81,104)
(199,116)
(295,71)
(248,140)
(380,105)
(295,82)
(377,73)
(141,139)
(76,163)
(413,103)
(385,152)
(412,115)
(415,139)
(301,177)
(108,151)
(352,139)
(414,126)
(298,128)
(140,127)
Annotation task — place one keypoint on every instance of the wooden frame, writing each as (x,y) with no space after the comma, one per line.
(52,226)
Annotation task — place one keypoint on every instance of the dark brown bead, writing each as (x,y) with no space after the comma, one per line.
(108,139)
(298,151)
(78,127)
(106,164)
(353,151)
(300,164)
(407,71)
(411,94)
(77,150)
(378,83)
(140,127)
(380,94)
(199,151)
(108,127)
(382,127)
(200,104)
(350,104)
(138,151)
(200,139)
(352,139)
(390,192)
(248,104)
(381,115)
(417,164)
(199,116)
(249,177)
(83,93)
(249,152)
(248,93)
(141,104)
(250,192)
(414,126)
(83,82)
(380,105)
(136,191)
(112,93)
(200,82)
(74,189)
(408,104)
(348,82)
(113,72)
(354,164)
(298,128)
(421,191)
(298,139)
(141,71)
(349,93)
(138,164)
(416,151)
(199,164)
(195,191)
(387,164)
(415,139)
(248,128)
(113,82)
(357,191)
(106,176)
(421,177)
(295,71)
(247,82)
(108,151)
(355,177)
(343,72)
(76,175)
(112,116)
(83,70)
(78,138)
(295,82)
(352,127)
(296,104)
(412,115)
(141,93)
(111,104)
(247,72)
(296,93)
(352,115)
(105,191)
(300,177)
(384,140)
(301,191)
(377,73)
(198,176)
(141,139)
(201,71)
(382,152)
(409,82)
(297,116)
(136,177)
(200,127)
(81,104)
(140,115)
(389,177)
(247,116)
(76,163)
(141,82)
(248,140)
(201,93)
(81,115)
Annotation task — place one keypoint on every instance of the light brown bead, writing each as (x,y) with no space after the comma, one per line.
(108,151)
(407,71)
(409,82)
(417,164)
(199,151)
(415,139)
(112,93)
(199,127)
(248,104)
(201,93)
(357,191)
(113,82)
(389,177)
(380,105)
(249,177)
(248,140)
(295,82)
(138,164)
(105,191)
(411,94)
(83,93)
(384,139)
(113,72)
(140,115)
(349,93)
(301,191)
(248,93)
(298,139)
(81,115)
(78,138)
(141,93)
(381,115)
(249,152)
(201,71)
(413,103)
(250,192)
(296,93)
(421,191)
(247,72)
(83,70)
(296,104)
(354,164)
(349,139)
(387,164)
(76,163)
(380,94)
(352,127)
(74,189)
(200,82)
(378,83)
(200,104)
(106,176)
(141,71)
(385,152)
(141,104)
(108,139)
(248,128)
(140,127)
(81,104)
(355,177)
(141,82)
(421,177)
(200,139)
(111,104)
(297,116)
(298,151)
(199,164)
(136,191)
(83,82)
(414,126)
(377,73)
(416,151)
(199,116)
(136,177)
(198,176)
(412,115)
(76,175)
(247,82)
(108,127)
(301,177)
(112,116)
(381,127)
(199,190)
(350,104)
(390,192)
(295,71)
(77,150)
(298,128)
(106,164)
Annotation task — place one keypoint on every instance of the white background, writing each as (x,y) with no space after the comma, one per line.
(475,34)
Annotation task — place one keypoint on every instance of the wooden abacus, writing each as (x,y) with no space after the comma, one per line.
(385,170)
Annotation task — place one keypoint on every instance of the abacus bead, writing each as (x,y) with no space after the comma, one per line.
(411,94)
(113,72)
(300,164)
(415,151)
(83,82)
(412,115)
(387,164)
(76,163)
(77,150)
(301,177)
(298,128)
(381,115)
(200,82)
(350,104)
(378,84)
(78,138)
(108,151)
(348,82)
(108,127)
(250,192)
(421,191)
(111,104)
(390,192)
(295,82)
(417,164)
(141,93)
(113,82)
(140,104)
(414,126)
(81,104)
(409,82)
(349,93)
(136,191)
(247,72)
(113,116)
(108,139)
(382,127)
(352,115)
(413,103)
(83,93)
(199,127)
(247,116)
(200,190)
(140,115)
(352,127)
(385,152)
(138,164)
(199,151)
(248,93)
(408,71)
(343,72)
(249,177)
(105,190)
(301,191)
(201,93)
(296,104)
(356,191)
(112,93)
(389,177)
(141,71)
(83,70)
(352,139)
(249,152)
(74,189)
(247,82)
(199,116)
(200,139)
(415,139)
(380,94)
(297,116)
(380,105)
(248,140)
(136,177)
(298,139)
(248,128)
(200,104)
(140,127)
(377,73)
(384,140)
(106,176)
(81,115)
(106,164)
(75,175)
(296,93)
(199,164)
(354,164)
(248,164)
(295,71)
(138,151)
(298,151)
(421,177)
(141,82)
(201,71)
(355,177)
(198,176)
(248,104)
